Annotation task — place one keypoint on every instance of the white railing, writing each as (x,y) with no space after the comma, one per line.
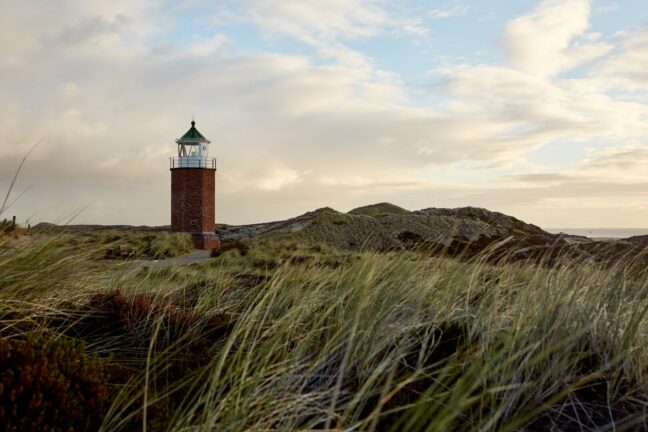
(192,162)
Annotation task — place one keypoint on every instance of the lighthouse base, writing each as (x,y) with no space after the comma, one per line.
(208,240)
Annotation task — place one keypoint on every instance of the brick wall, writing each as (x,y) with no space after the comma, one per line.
(205,241)
(193,199)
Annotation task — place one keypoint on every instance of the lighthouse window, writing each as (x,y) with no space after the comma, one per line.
(194,221)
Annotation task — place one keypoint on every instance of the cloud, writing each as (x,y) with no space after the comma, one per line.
(87,30)
(603,9)
(539,178)
(317,22)
(297,131)
(553,38)
(329,25)
(208,46)
(513,112)
(612,173)
(307,21)
(628,62)
(278,179)
(450,12)
(617,164)
(273,118)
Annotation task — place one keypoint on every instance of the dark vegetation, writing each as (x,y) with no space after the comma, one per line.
(51,383)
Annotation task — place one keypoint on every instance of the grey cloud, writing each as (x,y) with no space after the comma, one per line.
(86,31)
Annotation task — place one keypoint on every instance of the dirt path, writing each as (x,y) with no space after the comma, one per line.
(186,259)
(190,258)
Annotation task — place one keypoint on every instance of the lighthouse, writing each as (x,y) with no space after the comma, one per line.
(193,189)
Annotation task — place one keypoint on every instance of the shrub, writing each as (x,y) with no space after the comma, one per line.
(50,384)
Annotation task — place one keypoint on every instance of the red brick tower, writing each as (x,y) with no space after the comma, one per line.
(193,189)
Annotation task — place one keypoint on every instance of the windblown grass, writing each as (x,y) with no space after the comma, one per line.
(121,244)
(296,337)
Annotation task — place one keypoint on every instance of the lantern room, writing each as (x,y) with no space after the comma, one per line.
(193,151)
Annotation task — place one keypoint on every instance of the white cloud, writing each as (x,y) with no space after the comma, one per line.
(208,46)
(309,20)
(450,12)
(629,62)
(277,179)
(512,112)
(328,25)
(603,9)
(552,38)
(333,20)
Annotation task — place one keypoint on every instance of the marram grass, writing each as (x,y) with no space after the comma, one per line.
(296,337)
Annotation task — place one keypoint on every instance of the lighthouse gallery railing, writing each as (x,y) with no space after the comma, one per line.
(192,162)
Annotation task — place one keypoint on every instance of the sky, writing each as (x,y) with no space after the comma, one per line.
(537,109)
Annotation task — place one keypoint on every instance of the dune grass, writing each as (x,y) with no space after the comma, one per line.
(298,337)
(121,244)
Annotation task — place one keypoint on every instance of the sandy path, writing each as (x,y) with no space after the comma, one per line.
(190,258)
(186,259)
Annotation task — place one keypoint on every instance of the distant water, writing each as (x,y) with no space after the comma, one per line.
(601,232)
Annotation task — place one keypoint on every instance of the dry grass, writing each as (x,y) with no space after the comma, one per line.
(295,337)
(121,244)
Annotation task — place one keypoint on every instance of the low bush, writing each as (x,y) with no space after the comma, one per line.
(50,385)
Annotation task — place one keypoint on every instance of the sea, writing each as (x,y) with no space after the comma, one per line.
(601,232)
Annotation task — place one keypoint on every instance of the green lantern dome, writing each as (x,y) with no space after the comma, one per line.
(192,136)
